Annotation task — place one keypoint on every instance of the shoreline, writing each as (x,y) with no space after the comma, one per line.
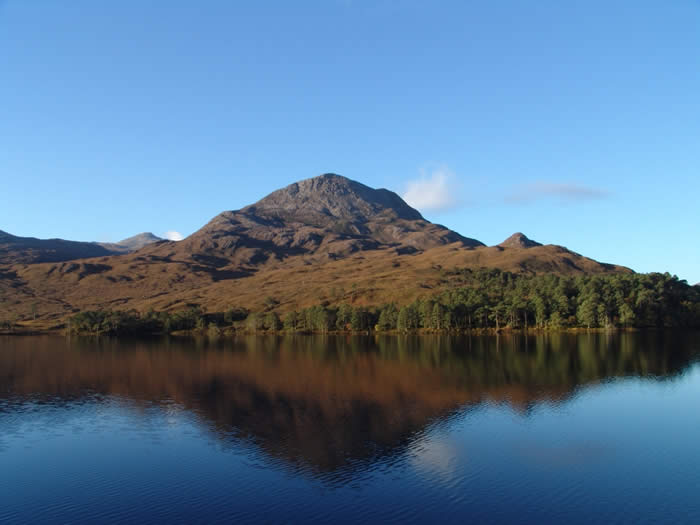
(226,333)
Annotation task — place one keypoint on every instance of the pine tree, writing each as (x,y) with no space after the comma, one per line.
(291,321)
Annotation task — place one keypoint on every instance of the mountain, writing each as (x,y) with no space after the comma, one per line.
(325,239)
(519,240)
(331,197)
(329,216)
(28,250)
(132,244)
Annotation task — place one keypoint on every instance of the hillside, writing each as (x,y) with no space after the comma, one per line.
(322,239)
(27,250)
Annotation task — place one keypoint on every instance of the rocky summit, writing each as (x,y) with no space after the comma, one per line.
(333,197)
(132,243)
(519,240)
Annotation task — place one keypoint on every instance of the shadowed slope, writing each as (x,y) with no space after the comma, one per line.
(27,250)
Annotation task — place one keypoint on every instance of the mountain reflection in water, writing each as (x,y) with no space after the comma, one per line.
(330,404)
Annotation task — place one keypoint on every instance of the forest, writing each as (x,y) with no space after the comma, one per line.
(485,300)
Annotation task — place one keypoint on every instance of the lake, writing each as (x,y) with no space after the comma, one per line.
(591,428)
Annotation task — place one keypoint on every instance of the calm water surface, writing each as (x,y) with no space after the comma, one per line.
(575,429)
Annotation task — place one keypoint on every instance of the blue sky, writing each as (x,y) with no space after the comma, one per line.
(577,123)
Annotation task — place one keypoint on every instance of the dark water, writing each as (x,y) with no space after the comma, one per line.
(574,429)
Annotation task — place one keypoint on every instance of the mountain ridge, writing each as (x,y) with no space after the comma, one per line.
(15,249)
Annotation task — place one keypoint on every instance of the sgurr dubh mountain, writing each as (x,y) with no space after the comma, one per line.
(329,215)
(314,240)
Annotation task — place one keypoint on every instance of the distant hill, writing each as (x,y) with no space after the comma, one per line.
(325,239)
(28,250)
(132,243)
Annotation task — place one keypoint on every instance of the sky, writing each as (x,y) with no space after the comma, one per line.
(576,123)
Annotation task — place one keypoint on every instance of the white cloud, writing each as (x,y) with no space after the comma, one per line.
(172,235)
(435,191)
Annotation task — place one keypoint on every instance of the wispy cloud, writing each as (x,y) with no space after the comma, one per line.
(553,190)
(172,235)
(434,191)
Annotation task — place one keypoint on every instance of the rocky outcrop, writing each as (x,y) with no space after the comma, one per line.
(519,240)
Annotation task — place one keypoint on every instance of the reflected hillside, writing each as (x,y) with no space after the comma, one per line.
(326,403)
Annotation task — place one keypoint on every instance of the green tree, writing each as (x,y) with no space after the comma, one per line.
(627,316)
(291,321)
(540,306)
(343,316)
(358,320)
(587,312)
(388,317)
(407,318)
(272,321)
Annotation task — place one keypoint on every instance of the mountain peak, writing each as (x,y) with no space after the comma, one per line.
(519,240)
(333,197)
(131,244)
(328,215)
(139,241)
(143,235)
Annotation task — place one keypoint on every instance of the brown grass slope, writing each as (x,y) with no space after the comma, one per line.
(322,239)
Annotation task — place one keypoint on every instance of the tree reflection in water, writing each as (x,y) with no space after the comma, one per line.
(330,403)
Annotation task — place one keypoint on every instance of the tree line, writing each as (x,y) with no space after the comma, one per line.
(485,300)
(496,299)
(132,322)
